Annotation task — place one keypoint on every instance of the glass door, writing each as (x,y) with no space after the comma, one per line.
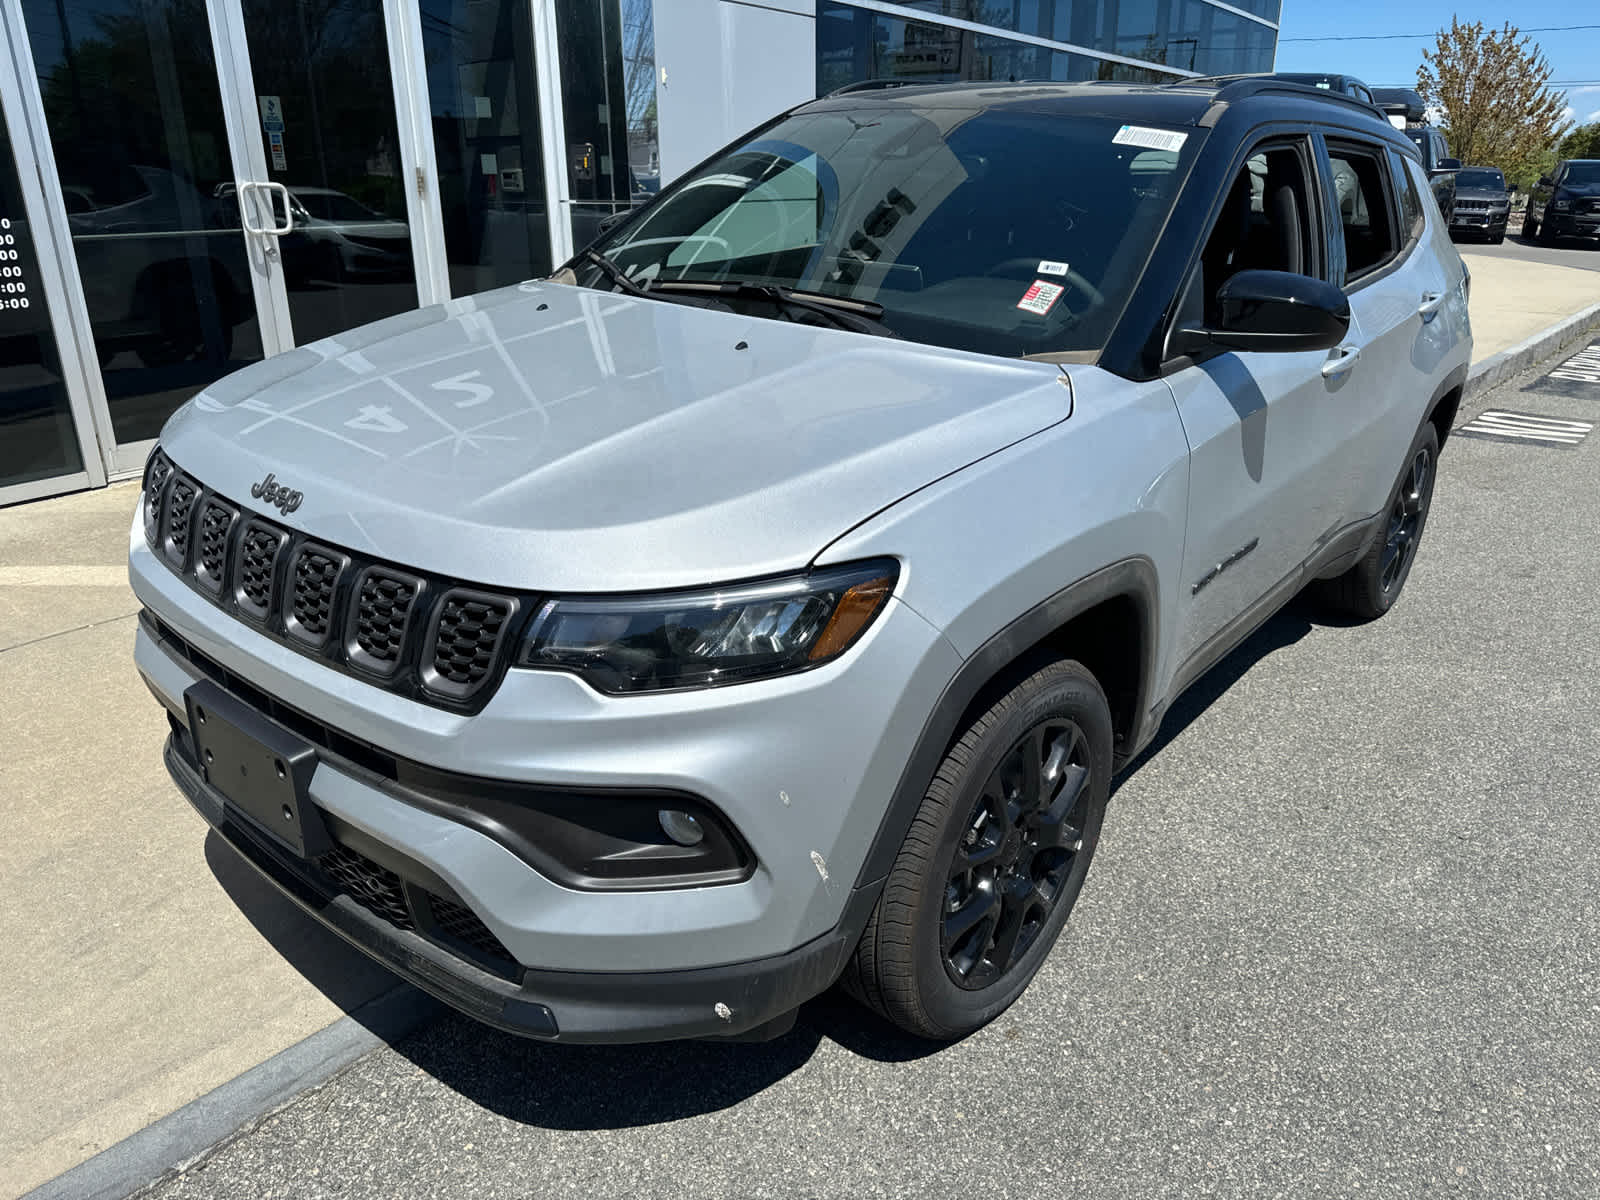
(327,186)
(128,94)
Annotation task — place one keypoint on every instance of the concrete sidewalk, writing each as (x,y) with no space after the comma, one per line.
(145,965)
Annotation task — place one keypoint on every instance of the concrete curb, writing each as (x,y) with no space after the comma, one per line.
(180,1137)
(1508,364)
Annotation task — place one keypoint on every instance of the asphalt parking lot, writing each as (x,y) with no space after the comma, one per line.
(1343,938)
(1572,252)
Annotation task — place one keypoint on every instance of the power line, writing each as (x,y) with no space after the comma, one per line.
(1390,37)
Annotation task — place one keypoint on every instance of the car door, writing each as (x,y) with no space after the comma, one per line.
(1398,320)
(1264,429)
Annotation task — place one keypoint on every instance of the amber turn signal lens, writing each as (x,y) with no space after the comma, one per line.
(856,608)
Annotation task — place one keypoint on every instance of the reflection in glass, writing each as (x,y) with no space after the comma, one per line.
(855,43)
(595,97)
(326,110)
(36,435)
(135,117)
(486,140)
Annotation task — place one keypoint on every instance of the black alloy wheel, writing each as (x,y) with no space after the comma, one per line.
(1405,520)
(995,857)
(1022,842)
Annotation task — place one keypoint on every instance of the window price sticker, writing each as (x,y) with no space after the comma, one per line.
(1150,139)
(1040,297)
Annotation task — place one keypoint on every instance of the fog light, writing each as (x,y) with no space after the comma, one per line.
(681,827)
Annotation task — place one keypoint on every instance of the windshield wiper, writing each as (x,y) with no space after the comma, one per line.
(858,316)
(614,273)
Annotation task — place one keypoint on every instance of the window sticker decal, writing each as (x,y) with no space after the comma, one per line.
(1040,297)
(1047,267)
(1150,139)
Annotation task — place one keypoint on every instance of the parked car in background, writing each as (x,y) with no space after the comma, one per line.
(336,237)
(1441,168)
(769,596)
(1566,202)
(1403,106)
(1483,204)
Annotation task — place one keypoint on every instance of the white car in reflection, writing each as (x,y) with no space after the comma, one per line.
(336,237)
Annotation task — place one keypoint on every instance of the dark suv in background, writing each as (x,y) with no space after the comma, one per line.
(1483,205)
(1440,166)
(1566,202)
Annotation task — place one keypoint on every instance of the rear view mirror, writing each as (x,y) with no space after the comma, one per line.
(1271,311)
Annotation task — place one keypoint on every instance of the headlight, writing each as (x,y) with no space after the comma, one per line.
(711,636)
(1562,204)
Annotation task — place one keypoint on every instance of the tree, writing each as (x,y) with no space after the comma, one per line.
(1490,88)
(1582,142)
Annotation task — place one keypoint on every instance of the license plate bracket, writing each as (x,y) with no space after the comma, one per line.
(261,769)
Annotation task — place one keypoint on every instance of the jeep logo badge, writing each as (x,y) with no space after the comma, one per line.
(273,492)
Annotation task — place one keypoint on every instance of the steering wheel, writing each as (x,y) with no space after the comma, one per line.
(1031,267)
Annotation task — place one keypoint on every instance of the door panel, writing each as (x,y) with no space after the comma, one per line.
(324,108)
(134,112)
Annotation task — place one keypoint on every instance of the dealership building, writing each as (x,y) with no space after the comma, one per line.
(190,186)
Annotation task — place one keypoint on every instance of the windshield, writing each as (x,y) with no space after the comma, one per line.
(1476,178)
(1006,231)
(1582,172)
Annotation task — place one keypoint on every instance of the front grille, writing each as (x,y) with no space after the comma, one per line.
(383,614)
(459,922)
(431,639)
(314,577)
(377,889)
(211,557)
(180,511)
(467,640)
(258,567)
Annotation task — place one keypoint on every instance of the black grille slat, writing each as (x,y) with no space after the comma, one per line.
(466,642)
(211,554)
(180,519)
(382,617)
(433,640)
(155,483)
(257,569)
(457,921)
(376,888)
(313,582)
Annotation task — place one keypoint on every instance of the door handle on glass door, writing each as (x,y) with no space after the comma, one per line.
(1430,304)
(1346,359)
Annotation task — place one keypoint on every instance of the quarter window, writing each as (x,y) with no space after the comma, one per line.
(1410,200)
(1361,199)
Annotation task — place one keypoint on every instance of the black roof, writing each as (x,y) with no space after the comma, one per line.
(1194,101)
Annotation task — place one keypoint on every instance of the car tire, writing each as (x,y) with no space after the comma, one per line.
(1498,238)
(994,860)
(1530,228)
(1369,589)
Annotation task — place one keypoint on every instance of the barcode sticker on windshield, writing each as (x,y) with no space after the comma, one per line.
(1040,297)
(1051,267)
(1150,139)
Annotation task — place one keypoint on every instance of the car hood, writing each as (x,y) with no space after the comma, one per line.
(1580,189)
(549,437)
(1494,195)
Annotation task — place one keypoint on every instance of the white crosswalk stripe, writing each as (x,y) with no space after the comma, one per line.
(1583,367)
(1526,427)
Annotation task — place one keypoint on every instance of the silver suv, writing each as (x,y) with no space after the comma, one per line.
(769,597)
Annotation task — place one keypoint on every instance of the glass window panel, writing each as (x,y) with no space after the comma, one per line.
(36,430)
(595,103)
(338,151)
(135,117)
(486,136)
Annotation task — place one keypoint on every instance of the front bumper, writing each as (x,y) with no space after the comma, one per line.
(803,767)
(1573,224)
(1486,223)
(565,1006)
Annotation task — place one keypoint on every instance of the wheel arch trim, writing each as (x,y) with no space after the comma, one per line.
(1133,579)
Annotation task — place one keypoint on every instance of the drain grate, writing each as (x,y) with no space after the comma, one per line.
(1498,426)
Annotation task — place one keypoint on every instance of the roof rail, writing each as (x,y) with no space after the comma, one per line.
(1238,87)
(869,85)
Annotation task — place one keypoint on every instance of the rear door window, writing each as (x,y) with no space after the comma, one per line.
(1359,185)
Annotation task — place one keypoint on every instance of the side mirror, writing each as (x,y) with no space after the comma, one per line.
(1545,181)
(609,223)
(1449,164)
(1271,311)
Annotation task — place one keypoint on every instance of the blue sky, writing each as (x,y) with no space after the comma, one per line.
(1574,54)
